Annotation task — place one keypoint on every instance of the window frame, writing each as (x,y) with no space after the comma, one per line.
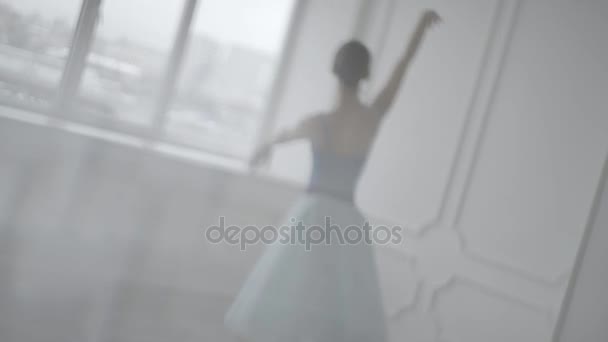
(84,34)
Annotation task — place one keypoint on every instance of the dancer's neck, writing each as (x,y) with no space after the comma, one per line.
(348,97)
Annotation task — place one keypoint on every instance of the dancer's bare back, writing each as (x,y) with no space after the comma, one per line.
(351,128)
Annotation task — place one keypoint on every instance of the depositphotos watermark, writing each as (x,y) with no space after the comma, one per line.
(299,233)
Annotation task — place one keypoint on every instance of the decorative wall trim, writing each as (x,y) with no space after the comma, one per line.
(601,189)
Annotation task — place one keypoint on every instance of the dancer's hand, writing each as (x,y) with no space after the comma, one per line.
(429,19)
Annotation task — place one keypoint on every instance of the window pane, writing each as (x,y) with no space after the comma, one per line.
(35,37)
(226,79)
(128,56)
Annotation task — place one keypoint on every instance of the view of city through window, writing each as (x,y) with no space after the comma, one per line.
(228,72)
(35,36)
(127,60)
(224,84)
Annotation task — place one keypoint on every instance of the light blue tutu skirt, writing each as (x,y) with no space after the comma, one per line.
(329,293)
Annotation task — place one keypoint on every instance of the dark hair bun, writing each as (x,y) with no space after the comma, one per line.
(352,63)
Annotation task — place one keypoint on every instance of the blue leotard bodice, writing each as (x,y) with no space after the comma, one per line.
(334,174)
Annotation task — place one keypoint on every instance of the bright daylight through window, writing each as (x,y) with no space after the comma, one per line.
(221,89)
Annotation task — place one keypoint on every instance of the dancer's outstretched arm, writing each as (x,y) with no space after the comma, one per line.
(303,130)
(386,97)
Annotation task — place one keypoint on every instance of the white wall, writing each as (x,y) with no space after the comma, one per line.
(585,311)
(491,158)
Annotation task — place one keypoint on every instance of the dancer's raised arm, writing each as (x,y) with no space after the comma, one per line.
(386,97)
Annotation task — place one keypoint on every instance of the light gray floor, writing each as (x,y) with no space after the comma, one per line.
(100,242)
(104,243)
(64,289)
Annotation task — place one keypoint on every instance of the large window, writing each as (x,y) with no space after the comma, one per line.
(226,79)
(127,59)
(35,37)
(192,73)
